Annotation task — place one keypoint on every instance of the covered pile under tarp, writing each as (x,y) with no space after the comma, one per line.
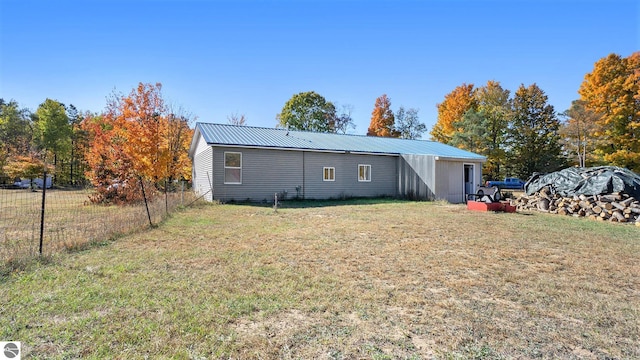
(587,181)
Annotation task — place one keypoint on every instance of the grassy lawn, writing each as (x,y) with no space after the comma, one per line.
(361,279)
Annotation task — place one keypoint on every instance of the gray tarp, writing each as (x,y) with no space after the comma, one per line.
(587,181)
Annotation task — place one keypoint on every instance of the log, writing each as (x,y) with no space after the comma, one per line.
(615,207)
(627,201)
(618,215)
(611,197)
(605,205)
(618,205)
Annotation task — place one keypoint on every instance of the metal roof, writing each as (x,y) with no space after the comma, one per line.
(248,136)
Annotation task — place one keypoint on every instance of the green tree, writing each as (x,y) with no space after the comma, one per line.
(382,119)
(408,125)
(484,129)
(534,141)
(308,111)
(52,131)
(495,105)
(473,134)
(612,90)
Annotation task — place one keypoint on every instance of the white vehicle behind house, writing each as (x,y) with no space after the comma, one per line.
(26,183)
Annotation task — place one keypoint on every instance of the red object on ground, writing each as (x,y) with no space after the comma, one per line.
(495,206)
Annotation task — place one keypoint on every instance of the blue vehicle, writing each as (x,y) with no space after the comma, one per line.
(508,183)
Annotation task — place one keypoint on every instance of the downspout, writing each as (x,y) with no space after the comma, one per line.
(304,187)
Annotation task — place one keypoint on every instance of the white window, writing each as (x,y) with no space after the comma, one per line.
(232,168)
(329,174)
(364,172)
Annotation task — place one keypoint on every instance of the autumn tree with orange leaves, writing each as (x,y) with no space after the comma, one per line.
(612,91)
(137,139)
(382,119)
(452,110)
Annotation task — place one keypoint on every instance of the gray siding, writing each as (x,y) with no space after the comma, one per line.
(423,177)
(383,175)
(264,173)
(450,179)
(417,177)
(202,173)
(300,173)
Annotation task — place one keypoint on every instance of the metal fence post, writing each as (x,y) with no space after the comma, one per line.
(44,195)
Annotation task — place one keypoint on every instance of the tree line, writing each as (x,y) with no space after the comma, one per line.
(519,134)
(137,139)
(310,111)
(523,134)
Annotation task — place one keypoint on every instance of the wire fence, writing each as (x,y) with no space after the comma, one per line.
(69,220)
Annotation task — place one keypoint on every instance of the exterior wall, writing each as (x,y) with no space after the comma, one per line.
(417,177)
(202,173)
(297,173)
(300,174)
(450,179)
(201,145)
(383,175)
(264,173)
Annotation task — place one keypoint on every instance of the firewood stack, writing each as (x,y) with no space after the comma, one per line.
(617,207)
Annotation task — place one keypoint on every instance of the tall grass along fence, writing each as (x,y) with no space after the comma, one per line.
(69,220)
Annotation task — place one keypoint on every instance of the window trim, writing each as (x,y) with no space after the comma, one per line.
(232,167)
(332,171)
(364,166)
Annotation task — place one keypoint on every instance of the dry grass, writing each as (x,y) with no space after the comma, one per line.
(72,222)
(365,279)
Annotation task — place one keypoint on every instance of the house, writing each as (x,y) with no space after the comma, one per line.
(253,163)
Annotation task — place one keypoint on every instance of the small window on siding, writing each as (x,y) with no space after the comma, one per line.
(364,172)
(329,174)
(232,168)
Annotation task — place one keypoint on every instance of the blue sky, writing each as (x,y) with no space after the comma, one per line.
(216,58)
